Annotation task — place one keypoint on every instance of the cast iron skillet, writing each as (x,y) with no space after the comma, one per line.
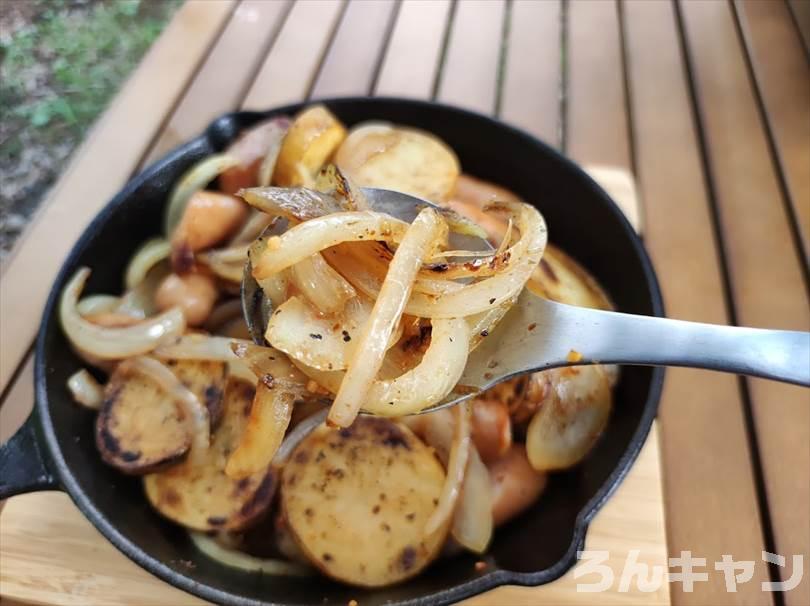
(55,448)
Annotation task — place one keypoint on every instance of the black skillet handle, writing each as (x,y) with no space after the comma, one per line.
(23,468)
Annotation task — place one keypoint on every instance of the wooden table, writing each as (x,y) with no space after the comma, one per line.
(707,104)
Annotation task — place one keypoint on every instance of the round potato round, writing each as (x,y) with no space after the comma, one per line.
(357,500)
(376,154)
(200,495)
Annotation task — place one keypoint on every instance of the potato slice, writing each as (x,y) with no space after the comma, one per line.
(356,500)
(309,143)
(206,379)
(201,496)
(250,149)
(140,428)
(564,280)
(403,159)
(570,419)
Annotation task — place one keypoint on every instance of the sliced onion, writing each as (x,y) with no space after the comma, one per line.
(294,438)
(232,272)
(252,228)
(570,419)
(232,254)
(368,356)
(332,180)
(96,304)
(456,469)
(198,347)
(223,313)
(85,389)
(431,380)
(195,179)
(194,410)
(322,286)
(145,258)
(268,361)
(473,522)
(325,343)
(310,237)
(140,301)
(264,431)
(482,324)
(113,343)
(295,203)
(472,519)
(243,561)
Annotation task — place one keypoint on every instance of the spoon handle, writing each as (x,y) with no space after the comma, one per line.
(618,338)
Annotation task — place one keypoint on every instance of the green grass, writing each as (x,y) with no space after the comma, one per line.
(59,72)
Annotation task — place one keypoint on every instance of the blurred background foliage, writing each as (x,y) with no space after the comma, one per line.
(61,61)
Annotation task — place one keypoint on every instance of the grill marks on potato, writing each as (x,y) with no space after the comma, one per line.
(356,500)
(206,379)
(201,496)
(140,428)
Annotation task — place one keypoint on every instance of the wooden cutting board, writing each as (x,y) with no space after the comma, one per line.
(50,554)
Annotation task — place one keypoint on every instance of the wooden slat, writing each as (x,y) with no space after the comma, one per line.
(765,275)
(531,84)
(469,75)
(801,13)
(111,151)
(351,63)
(288,71)
(596,131)
(711,496)
(783,79)
(412,59)
(226,74)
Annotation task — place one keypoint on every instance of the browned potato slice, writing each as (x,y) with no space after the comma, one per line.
(201,496)
(564,280)
(206,379)
(139,428)
(309,143)
(357,500)
(403,159)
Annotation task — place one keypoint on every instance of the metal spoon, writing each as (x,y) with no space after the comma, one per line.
(538,334)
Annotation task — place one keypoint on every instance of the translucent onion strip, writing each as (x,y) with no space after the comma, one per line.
(97,304)
(456,469)
(299,432)
(310,237)
(194,411)
(431,380)
(113,343)
(473,523)
(364,365)
(145,258)
(195,179)
(85,389)
(268,421)
(321,285)
(252,228)
(243,561)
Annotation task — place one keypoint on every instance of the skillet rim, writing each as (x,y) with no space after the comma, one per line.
(491,579)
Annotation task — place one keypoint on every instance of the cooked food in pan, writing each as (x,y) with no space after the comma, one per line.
(306,454)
